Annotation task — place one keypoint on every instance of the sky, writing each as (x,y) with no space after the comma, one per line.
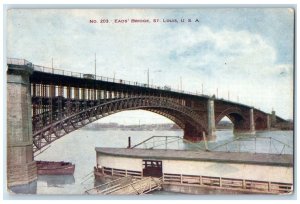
(246,53)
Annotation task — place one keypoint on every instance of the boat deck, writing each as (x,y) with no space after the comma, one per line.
(127,186)
(227,157)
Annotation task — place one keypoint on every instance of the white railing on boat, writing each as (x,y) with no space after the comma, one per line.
(209,181)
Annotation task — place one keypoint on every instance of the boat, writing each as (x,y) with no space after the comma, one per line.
(55,168)
(197,171)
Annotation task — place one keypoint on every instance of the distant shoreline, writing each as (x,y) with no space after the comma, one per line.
(147,127)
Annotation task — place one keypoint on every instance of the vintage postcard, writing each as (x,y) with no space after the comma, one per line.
(150,101)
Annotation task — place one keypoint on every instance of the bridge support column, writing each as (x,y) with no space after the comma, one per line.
(245,126)
(252,125)
(211,118)
(21,168)
(268,122)
(273,119)
(192,133)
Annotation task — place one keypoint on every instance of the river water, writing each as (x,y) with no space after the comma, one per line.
(79,148)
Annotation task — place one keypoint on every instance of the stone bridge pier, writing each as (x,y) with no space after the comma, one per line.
(242,119)
(21,168)
(245,125)
(196,133)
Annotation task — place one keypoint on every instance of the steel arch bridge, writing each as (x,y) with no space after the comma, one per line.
(44,104)
(50,126)
(60,102)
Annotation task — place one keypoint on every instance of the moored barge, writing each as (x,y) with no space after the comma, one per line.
(55,168)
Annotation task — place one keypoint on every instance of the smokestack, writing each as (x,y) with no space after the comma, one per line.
(129,142)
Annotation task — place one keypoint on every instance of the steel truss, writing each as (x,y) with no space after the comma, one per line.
(67,115)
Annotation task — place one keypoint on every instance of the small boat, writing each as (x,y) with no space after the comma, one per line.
(55,168)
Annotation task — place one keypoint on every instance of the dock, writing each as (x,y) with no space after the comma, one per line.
(127,186)
(191,171)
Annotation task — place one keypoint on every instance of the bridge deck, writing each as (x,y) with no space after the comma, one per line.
(227,157)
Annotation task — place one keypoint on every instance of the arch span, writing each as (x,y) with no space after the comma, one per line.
(224,123)
(68,123)
(180,119)
(176,119)
(192,131)
(236,116)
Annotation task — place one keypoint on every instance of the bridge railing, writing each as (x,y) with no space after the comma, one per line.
(16,61)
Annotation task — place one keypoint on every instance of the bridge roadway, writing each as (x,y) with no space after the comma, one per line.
(44,104)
